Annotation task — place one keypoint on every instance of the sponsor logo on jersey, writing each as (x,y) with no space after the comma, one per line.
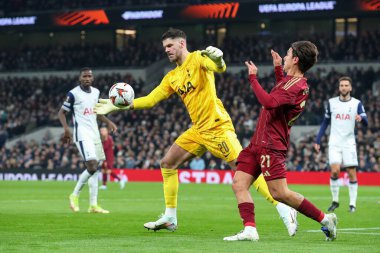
(88,111)
(342,116)
(186,88)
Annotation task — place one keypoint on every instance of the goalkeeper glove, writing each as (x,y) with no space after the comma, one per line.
(215,54)
(105,106)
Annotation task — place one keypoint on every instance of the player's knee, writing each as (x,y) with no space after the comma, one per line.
(277,195)
(237,187)
(335,174)
(168,164)
(92,166)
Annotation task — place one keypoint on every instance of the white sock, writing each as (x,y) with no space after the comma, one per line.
(325,221)
(353,192)
(83,178)
(282,209)
(93,182)
(171,211)
(334,187)
(249,229)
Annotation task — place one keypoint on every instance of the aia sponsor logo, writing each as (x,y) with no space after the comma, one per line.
(186,88)
(342,116)
(221,10)
(94,17)
(88,111)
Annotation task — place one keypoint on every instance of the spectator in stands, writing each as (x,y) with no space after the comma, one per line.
(197,163)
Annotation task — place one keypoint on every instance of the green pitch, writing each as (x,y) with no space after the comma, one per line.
(35,217)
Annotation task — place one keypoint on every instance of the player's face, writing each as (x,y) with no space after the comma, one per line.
(289,60)
(173,48)
(345,88)
(86,78)
(104,132)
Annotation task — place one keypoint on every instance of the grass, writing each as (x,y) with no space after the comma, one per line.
(35,217)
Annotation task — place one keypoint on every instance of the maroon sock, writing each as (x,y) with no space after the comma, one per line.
(115,176)
(104,177)
(247,213)
(308,209)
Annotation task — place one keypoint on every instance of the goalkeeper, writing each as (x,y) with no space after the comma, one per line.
(193,80)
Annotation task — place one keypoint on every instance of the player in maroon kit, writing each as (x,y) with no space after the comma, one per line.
(108,147)
(267,150)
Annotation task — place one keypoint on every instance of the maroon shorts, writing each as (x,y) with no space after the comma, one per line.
(255,160)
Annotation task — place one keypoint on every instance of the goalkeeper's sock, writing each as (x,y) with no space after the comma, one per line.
(261,186)
(83,178)
(171,211)
(170,178)
(93,182)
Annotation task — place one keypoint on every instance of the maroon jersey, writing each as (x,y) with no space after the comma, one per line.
(280,108)
(108,151)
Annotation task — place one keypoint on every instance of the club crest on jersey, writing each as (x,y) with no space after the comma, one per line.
(186,88)
(342,116)
(88,111)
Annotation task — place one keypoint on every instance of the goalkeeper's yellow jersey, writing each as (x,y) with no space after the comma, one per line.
(194,82)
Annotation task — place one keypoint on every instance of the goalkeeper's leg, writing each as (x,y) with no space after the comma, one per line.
(172,160)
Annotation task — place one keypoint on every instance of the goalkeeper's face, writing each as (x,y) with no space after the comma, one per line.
(173,48)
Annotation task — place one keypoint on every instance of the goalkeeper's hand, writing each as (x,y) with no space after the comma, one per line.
(215,54)
(105,106)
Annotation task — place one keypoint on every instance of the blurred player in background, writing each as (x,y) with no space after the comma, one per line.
(342,111)
(107,166)
(193,80)
(266,153)
(80,102)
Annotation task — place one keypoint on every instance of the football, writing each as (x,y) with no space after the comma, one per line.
(121,94)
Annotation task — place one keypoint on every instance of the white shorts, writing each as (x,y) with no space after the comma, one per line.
(346,156)
(91,150)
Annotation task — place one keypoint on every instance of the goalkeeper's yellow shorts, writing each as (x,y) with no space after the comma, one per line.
(222,142)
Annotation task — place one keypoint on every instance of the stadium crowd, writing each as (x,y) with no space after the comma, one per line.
(358,49)
(144,136)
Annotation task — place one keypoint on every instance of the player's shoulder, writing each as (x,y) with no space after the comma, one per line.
(295,84)
(74,90)
(94,89)
(334,99)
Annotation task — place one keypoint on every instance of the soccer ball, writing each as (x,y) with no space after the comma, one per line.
(121,94)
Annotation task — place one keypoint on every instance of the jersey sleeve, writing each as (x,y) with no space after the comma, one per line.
(279,73)
(325,123)
(362,113)
(208,64)
(161,92)
(68,105)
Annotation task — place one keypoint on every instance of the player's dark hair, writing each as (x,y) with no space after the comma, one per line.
(307,54)
(346,78)
(84,69)
(173,33)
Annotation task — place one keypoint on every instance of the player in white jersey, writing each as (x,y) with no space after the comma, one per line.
(80,102)
(343,112)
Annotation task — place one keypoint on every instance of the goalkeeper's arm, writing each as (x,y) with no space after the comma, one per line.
(216,56)
(105,106)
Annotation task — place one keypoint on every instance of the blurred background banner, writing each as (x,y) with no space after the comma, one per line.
(185,176)
(233,11)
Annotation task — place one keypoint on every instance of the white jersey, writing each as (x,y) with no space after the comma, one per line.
(81,104)
(342,115)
